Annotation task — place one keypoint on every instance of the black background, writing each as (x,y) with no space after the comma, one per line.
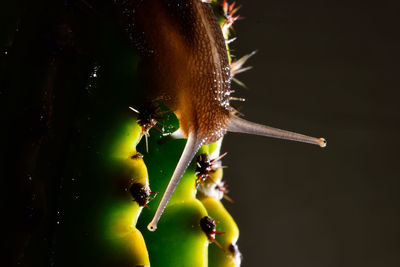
(327,69)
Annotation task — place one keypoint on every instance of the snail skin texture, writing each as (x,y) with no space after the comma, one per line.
(184,63)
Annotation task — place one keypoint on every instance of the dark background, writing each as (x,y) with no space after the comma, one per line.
(324,69)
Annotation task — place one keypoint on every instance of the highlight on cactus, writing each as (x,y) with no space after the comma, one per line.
(164,71)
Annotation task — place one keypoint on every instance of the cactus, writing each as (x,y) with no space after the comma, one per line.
(180,240)
(85,184)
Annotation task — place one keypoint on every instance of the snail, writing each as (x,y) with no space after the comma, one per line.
(184,62)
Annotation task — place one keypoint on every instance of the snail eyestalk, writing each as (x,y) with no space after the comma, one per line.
(192,146)
(239,125)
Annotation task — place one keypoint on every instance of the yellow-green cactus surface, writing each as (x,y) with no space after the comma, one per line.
(179,239)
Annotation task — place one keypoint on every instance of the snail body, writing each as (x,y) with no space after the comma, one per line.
(184,63)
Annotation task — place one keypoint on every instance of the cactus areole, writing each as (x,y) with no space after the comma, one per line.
(185,64)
